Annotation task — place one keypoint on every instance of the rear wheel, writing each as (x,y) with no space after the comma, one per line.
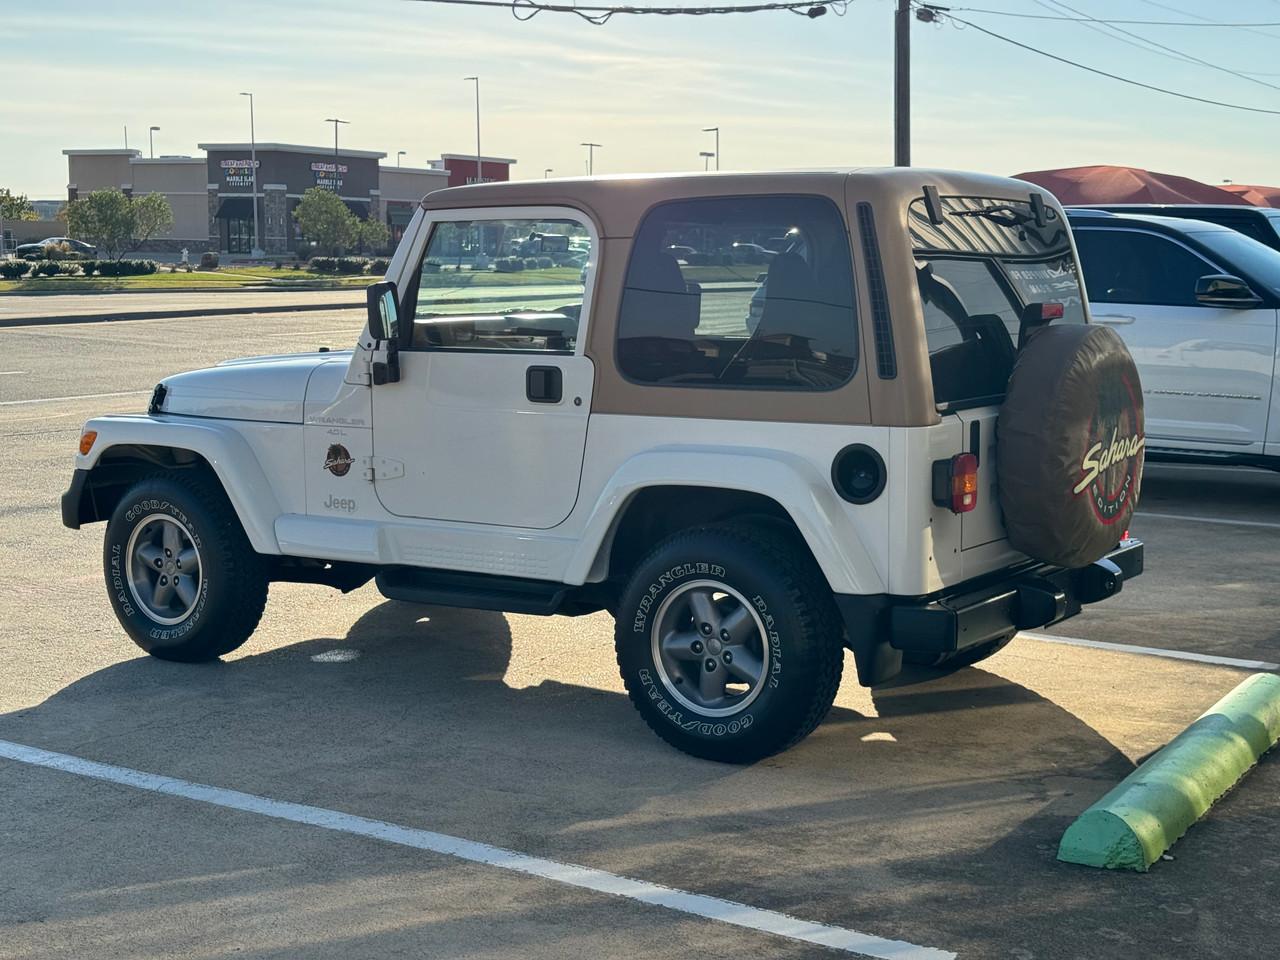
(729,642)
(184,580)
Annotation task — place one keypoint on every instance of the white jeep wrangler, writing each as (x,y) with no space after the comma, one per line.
(916,448)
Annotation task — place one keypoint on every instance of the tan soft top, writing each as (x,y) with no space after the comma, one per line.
(617,203)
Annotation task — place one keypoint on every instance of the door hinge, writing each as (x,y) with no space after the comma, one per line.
(380,468)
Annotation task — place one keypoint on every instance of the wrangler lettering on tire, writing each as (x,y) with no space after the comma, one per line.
(714,615)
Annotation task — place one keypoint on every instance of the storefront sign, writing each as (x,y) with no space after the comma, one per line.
(238,173)
(326,176)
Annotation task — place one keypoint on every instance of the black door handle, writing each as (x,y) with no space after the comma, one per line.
(544,384)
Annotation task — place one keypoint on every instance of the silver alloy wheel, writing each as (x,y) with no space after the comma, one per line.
(162,566)
(710,647)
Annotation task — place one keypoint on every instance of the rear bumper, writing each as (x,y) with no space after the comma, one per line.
(881,628)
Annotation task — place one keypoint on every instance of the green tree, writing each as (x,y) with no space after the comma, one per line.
(114,223)
(373,233)
(16,206)
(325,219)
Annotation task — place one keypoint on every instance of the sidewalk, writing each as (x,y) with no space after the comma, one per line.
(23,309)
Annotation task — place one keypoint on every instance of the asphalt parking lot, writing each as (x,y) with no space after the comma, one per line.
(294,800)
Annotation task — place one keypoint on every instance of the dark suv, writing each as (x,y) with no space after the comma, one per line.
(1261,223)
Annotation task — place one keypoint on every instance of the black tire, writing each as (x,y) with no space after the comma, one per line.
(163,524)
(774,643)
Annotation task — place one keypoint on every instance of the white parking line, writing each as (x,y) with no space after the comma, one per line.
(87,396)
(711,908)
(1154,652)
(1230,523)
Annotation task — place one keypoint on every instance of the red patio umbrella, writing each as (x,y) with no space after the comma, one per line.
(1103,184)
(1258,196)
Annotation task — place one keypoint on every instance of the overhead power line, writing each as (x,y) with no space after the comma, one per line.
(1103,73)
(1132,23)
(528,9)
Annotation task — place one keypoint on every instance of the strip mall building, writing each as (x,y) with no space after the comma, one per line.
(213,197)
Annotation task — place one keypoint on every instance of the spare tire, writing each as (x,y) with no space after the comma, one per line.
(1070,444)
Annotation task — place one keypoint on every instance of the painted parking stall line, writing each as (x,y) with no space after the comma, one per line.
(600,881)
(87,396)
(1154,652)
(1225,521)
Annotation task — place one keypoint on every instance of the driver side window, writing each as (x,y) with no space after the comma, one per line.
(502,285)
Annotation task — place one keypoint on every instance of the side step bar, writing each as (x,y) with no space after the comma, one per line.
(478,591)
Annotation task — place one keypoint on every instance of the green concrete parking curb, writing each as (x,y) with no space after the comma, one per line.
(1148,810)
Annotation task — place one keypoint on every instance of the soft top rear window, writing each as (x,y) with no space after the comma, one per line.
(977,271)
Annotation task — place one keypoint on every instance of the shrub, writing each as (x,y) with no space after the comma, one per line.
(46,268)
(305,250)
(351,265)
(431,266)
(323,265)
(508,265)
(13,269)
(209,260)
(89,267)
(545,263)
(378,266)
(69,268)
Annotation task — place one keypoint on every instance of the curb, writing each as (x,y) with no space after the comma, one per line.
(1148,810)
(176,314)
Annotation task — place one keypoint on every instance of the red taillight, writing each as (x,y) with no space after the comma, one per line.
(964,482)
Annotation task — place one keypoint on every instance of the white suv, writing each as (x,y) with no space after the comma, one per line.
(1197,304)
(747,503)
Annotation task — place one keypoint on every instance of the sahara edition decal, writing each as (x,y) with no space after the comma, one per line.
(338,460)
(1111,463)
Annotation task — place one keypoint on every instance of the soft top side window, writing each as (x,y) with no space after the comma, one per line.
(745,292)
(505,284)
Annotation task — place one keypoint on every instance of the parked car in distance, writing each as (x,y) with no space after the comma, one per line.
(42,247)
(1196,303)
(1261,223)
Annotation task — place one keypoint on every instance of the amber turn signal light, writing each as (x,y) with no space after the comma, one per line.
(964,482)
(86,440)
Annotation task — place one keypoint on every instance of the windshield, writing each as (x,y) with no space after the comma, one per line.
(977,271)
(1260,262)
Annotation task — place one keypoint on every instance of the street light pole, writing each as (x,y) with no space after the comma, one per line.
(902,85)
(479,175)
(545,173)
(716,131)
(256,252)
(399,154)
(152,141)
(335,123)
(706,156)
(591,156)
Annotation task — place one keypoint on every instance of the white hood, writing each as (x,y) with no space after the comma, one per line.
(270,389)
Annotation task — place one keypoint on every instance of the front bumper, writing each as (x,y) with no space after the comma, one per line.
(879,629)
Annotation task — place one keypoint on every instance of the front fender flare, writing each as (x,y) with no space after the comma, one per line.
(219,444)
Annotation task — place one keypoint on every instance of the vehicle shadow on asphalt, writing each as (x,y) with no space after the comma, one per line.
(931,821)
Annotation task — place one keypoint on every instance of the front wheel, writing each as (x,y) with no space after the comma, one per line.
(184,580)
(729,642)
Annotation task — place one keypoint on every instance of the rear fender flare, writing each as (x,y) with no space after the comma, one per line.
(835,539)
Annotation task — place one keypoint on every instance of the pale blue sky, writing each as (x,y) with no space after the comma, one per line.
(786,91)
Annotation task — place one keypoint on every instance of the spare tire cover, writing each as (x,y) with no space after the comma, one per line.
(1070,444)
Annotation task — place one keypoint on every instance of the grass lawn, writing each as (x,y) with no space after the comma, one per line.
(222,279)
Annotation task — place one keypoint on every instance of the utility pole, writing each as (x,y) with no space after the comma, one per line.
(902,85)
(591,156)
(256,252)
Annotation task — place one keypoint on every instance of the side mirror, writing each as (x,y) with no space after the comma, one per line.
(1222,290)
(384,310)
